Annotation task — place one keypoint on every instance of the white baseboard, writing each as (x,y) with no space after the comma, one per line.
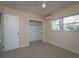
(74,51)
(18,47)
(24,45)
(44,40)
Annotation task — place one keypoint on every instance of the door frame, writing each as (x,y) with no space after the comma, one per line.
(29,27)
(2,31)
(16,33)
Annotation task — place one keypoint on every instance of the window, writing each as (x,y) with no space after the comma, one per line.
(70,23)
(55,25)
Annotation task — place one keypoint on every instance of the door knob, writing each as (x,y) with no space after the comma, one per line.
(18,33)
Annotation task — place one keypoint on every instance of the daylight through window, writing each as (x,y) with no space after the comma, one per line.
(70,23)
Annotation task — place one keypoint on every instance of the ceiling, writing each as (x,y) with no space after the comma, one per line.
(35,6)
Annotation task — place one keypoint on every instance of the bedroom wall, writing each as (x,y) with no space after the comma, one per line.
(67,40)
(0,31)
(24,23)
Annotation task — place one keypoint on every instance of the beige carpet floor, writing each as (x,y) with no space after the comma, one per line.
(39,49)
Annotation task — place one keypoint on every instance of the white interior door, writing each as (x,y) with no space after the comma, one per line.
(11,29)
(35,32)
(0,37)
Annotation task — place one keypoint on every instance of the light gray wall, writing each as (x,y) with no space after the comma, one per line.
(0,30)
(67,40)
(0,36)
(23,23)
(0,27)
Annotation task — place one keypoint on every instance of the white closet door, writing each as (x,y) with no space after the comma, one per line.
(11,30)
(35,32)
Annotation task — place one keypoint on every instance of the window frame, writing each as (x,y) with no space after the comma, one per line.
(61,25)
(56,24)
(69,23)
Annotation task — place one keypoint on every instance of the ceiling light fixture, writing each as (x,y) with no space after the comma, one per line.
(44,5)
